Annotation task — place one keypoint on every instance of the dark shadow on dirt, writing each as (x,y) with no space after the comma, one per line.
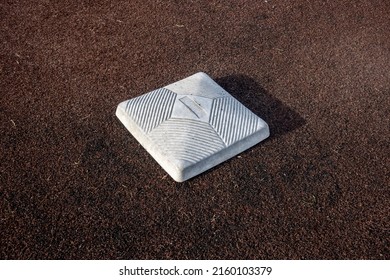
(280,118)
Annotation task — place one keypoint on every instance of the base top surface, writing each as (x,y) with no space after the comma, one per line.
(191,125)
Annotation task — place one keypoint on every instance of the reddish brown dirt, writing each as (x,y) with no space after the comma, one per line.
(74,184)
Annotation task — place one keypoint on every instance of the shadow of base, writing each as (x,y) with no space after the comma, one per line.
(280,118)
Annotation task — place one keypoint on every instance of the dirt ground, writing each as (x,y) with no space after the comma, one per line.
(74,184)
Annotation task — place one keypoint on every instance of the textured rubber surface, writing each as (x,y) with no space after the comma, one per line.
(188,134)
(72,180)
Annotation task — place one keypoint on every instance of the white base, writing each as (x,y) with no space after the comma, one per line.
(191,126)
